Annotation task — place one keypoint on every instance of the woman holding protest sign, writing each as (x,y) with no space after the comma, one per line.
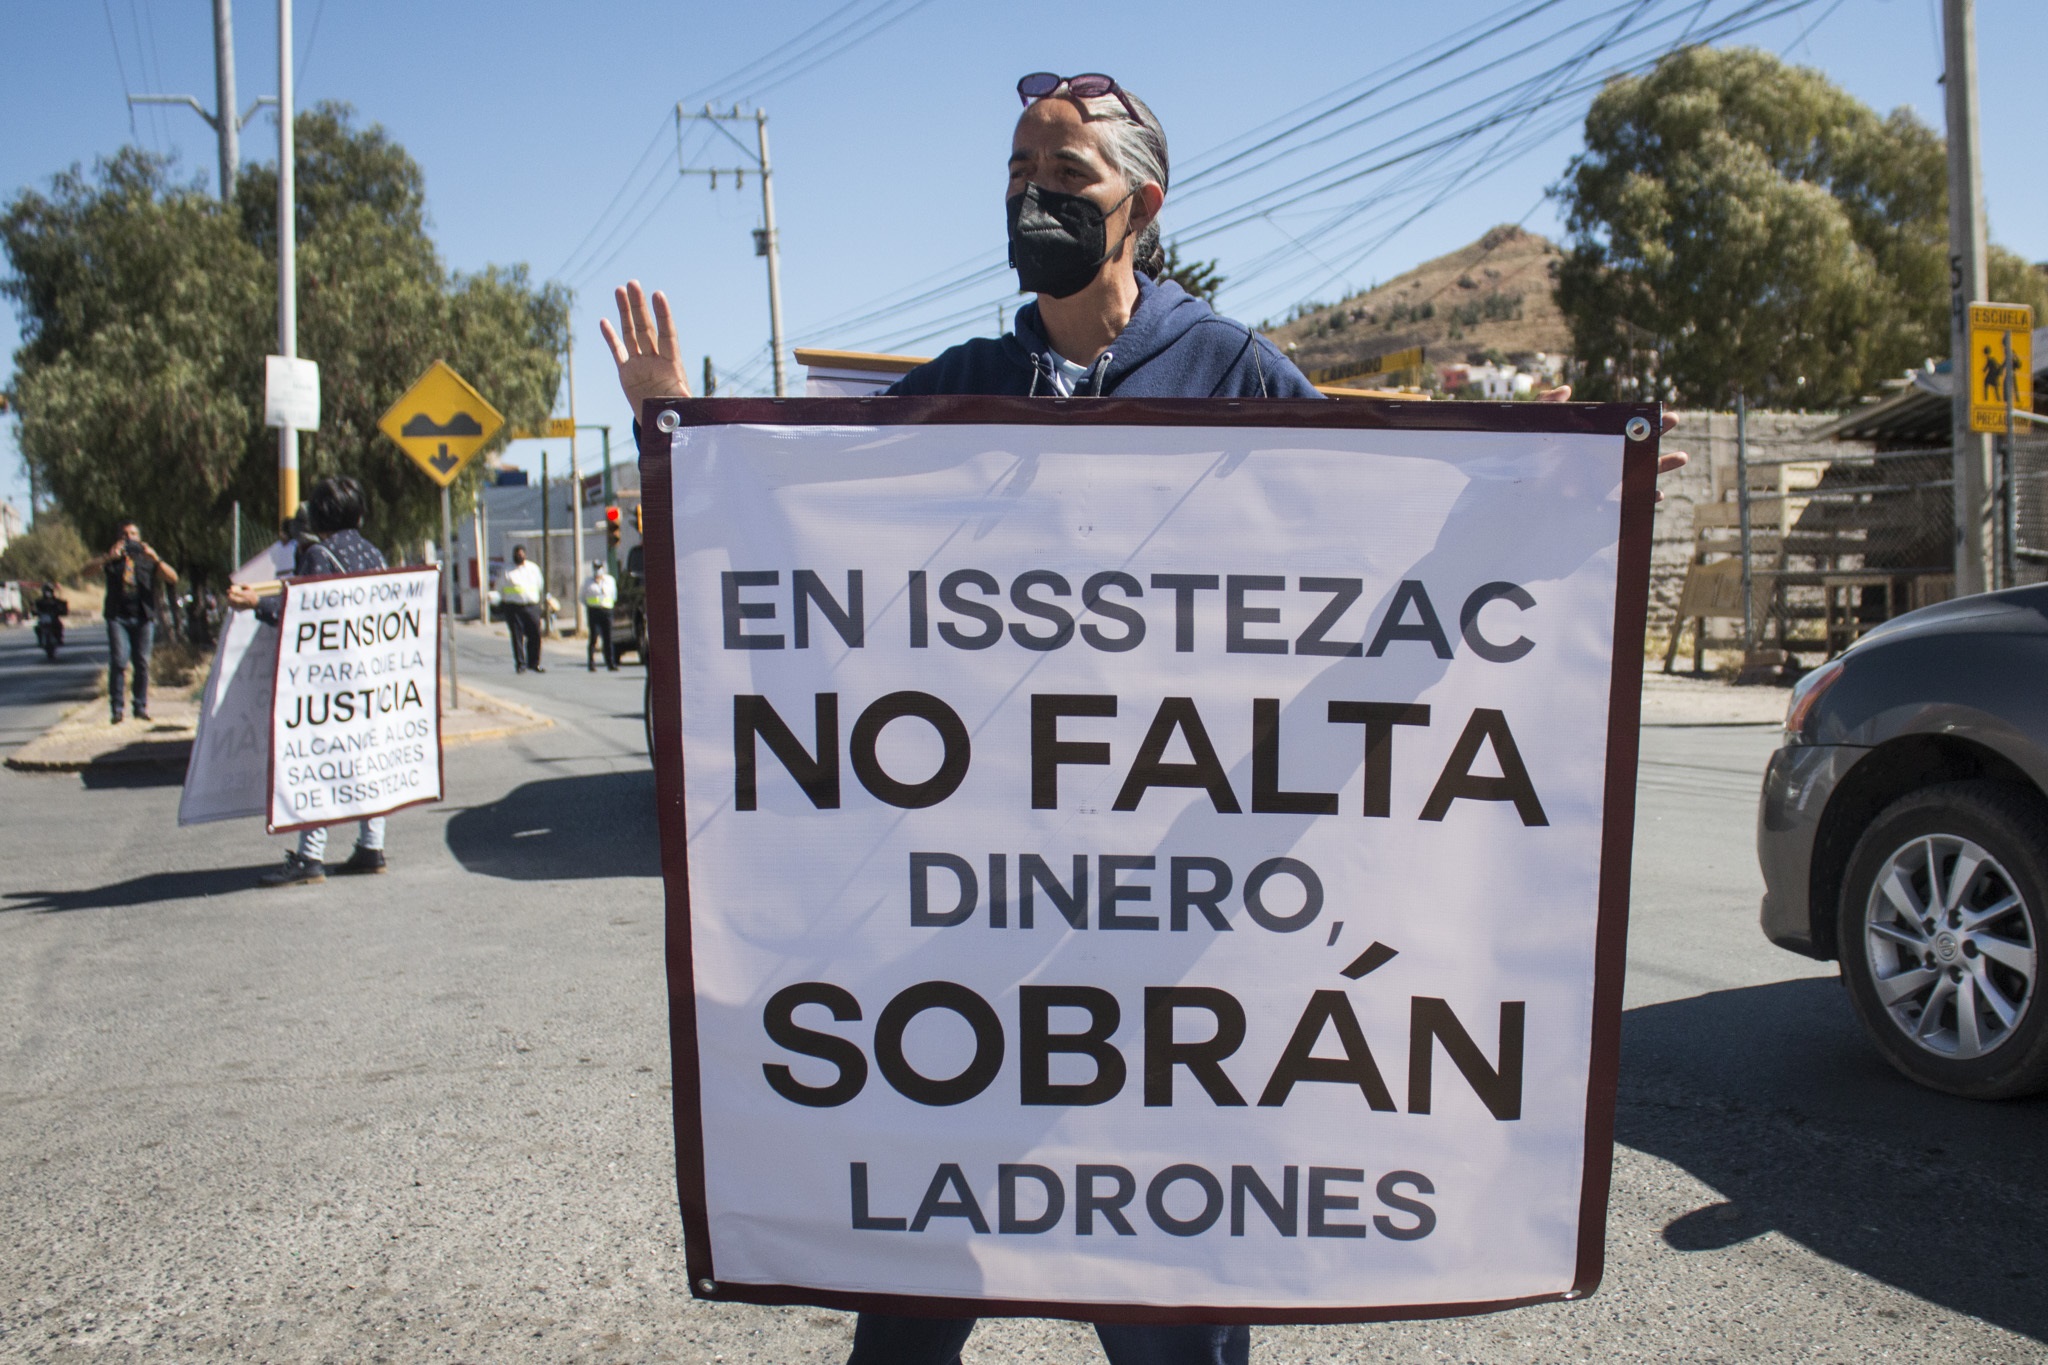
(1088,176)
(334,513)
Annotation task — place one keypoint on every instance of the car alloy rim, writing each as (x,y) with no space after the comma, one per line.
(1951,951)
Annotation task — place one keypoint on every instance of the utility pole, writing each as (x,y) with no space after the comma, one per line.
(771,247)
(710,380)
(1968,277)
(545,581)
(226,124)
(287,257)
(1742,518)
(575,495)
(766,240)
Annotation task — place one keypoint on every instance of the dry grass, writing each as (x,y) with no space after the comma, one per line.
(173,664)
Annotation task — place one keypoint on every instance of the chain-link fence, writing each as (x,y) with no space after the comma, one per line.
(1842,535)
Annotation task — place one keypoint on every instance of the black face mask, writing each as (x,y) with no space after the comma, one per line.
(1057,240)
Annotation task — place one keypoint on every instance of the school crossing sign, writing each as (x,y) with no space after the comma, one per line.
(1158,861)
(2000,368)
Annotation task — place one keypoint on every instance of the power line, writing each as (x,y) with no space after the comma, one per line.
(1511,109)
(762,85)
(1238,215)
(660,129)
(120,67)
(742,72)
(1353,101)
(591,264)
(763,72)
(1807,32)
(155,119)
(638,228)
(306,52)
(1497,153)
(1208,226)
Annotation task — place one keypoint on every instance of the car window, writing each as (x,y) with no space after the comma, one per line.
(633,561)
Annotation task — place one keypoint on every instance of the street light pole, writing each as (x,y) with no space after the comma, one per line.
(575,494)
(287,258)
(225,123)
(1968,277)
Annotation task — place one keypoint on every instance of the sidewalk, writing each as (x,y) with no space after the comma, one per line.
(83,738)
(1677,699)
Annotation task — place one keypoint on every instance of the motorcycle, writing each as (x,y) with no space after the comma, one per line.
(49,630)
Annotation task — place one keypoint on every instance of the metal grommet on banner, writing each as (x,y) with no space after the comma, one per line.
(703,1286)
(1638,428)
(667,421)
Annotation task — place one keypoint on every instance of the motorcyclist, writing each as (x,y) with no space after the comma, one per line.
(50,610)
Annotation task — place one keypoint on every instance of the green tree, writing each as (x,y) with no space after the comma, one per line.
(1743,225)
(48,552)
(147,308)
(1200,278)
(139,376)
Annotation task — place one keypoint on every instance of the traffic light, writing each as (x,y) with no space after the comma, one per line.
(636,520)
(611,527)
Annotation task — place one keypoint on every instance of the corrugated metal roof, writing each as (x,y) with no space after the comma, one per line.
(1919,414)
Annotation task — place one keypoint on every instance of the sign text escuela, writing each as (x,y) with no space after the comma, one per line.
(355,716)
(1146,860)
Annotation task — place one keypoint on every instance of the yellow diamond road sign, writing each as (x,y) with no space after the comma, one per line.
(441,422)
(2001,350)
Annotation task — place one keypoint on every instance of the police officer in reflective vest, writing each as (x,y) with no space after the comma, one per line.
(600,595)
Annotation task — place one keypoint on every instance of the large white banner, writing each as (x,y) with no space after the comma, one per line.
(226,775)
(355,716)
(1133,868)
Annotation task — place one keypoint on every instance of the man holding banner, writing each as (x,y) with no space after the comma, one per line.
(1041,1148)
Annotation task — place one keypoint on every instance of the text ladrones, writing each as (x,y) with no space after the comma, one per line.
(1140,870)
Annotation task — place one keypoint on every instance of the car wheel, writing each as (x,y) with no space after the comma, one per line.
(1943,918)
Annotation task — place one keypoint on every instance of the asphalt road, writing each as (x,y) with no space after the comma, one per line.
(426,1116)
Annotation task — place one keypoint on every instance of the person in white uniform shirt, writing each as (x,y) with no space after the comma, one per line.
(520,595)
(600,595)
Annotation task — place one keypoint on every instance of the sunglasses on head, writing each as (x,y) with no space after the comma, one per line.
(1089,86)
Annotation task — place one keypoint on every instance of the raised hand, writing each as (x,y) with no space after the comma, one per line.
(1668,461)
(644,347)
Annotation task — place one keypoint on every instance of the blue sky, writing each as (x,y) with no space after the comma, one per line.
(547,134)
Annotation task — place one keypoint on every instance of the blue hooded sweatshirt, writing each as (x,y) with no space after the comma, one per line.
(1174,347)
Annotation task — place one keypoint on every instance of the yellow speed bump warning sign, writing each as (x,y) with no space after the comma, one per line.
(441,422)
(2000,365)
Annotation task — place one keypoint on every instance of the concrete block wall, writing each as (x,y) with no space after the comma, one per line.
(1709,437)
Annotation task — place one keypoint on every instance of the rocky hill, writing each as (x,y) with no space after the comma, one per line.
(1491,297)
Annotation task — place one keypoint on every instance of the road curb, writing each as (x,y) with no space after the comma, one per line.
(75,745)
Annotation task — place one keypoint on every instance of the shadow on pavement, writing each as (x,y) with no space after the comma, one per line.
(141,764)
(146,890)
(562,829)
(1771,1095)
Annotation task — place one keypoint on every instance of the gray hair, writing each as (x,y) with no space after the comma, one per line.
(1137,152)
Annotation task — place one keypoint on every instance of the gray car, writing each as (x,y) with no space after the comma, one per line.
(1903,830)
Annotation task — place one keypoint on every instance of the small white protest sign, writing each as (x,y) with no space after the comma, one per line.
(355,728)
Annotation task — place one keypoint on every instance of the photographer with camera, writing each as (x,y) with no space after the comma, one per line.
(133,572)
